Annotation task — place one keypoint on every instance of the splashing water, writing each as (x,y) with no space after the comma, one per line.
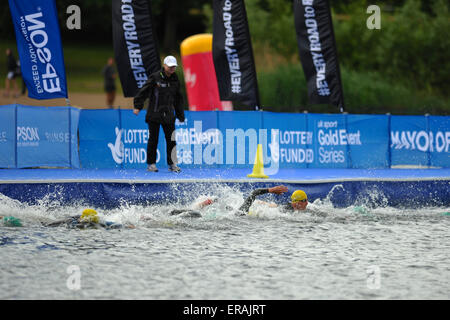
(322,253)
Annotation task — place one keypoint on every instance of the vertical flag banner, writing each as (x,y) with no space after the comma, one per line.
(135,44)
(318,54)
(39,46)
(233,53)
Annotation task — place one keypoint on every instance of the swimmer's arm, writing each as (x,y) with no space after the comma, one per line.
(59,222)
(251,198)
(249,201)
(114,225)
(55,224)
(175,212)
(205,203)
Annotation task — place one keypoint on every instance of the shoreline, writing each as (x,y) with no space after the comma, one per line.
(80,100)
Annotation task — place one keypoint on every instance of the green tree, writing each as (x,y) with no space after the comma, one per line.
(409,48)
(173,21)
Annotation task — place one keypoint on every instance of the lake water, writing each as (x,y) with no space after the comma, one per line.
(359,252)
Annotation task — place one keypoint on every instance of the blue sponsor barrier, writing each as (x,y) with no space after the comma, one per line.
(101,144)
(409,146)
(112,188)
(329,141)
(221,139)
(344,158)
(38,137)
(199,141)
(8,121)
(439,141)
(290,141)
(368,141)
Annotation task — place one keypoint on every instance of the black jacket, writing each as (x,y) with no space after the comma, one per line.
(164,98)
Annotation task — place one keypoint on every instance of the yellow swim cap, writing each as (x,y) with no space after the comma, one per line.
(89,215)
(298,195)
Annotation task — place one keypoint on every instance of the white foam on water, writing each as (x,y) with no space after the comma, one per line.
(372,207)
(321,253)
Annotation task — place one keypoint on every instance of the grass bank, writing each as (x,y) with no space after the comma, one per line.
(84,64)
(282,84)
(284,90)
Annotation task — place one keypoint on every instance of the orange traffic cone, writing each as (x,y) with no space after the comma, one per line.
(258,167)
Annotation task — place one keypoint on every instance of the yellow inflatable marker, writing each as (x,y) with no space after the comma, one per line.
(258,167)
(200,75)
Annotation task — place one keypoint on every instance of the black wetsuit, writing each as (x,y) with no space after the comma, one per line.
(242,211)
(186,212)
(74,222)
(250,199)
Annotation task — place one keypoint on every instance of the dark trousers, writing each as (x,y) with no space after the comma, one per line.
(153,129)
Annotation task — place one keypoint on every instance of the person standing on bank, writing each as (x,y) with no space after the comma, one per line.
(166,103)
(109,74)
(11,74)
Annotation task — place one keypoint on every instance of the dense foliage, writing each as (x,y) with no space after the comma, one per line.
(402,68)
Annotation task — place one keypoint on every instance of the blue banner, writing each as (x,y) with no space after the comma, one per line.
(409,141)
(199,141)
(241,131)
(134,135)
(367,138)
(222,139)
(330,143)
(39,46)
(8,136)
(289,140)
(439,141)
(43,138)
(118,138)
(101,144)
(74,119)
(38,137)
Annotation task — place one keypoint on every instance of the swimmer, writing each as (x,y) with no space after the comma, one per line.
(193,213)
(10,221)
(88,220)
(299,202)
(299,199)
